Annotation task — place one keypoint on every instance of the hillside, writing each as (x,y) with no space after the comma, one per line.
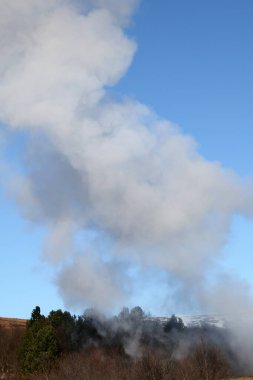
(189,320)
(129,346)
(11,323)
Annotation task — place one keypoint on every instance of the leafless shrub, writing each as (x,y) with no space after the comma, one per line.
(209,362)
(9,344)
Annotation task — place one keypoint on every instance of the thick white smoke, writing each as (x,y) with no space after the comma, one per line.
(102,167)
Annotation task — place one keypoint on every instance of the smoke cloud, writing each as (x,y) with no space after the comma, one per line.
(118,187)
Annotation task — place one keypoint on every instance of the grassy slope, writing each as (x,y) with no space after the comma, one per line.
(9,323)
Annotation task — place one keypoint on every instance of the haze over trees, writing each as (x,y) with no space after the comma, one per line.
(131,345)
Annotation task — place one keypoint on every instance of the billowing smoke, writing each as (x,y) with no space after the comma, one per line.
(120,190)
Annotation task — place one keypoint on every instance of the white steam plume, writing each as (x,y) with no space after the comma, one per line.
(101,165)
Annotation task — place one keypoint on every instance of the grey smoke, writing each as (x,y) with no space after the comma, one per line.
(97,164)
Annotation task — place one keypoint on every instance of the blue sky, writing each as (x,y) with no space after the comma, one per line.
(193,66)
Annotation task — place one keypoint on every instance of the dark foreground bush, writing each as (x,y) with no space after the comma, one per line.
(205,363)
(10,340)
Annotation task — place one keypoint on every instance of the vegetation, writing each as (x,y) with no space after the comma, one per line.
(39,348)
(129,346)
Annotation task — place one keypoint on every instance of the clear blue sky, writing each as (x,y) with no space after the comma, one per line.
(193,67)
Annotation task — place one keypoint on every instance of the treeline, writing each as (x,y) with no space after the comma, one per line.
(129,346)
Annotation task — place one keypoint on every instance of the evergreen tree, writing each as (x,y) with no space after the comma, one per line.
(39,347)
